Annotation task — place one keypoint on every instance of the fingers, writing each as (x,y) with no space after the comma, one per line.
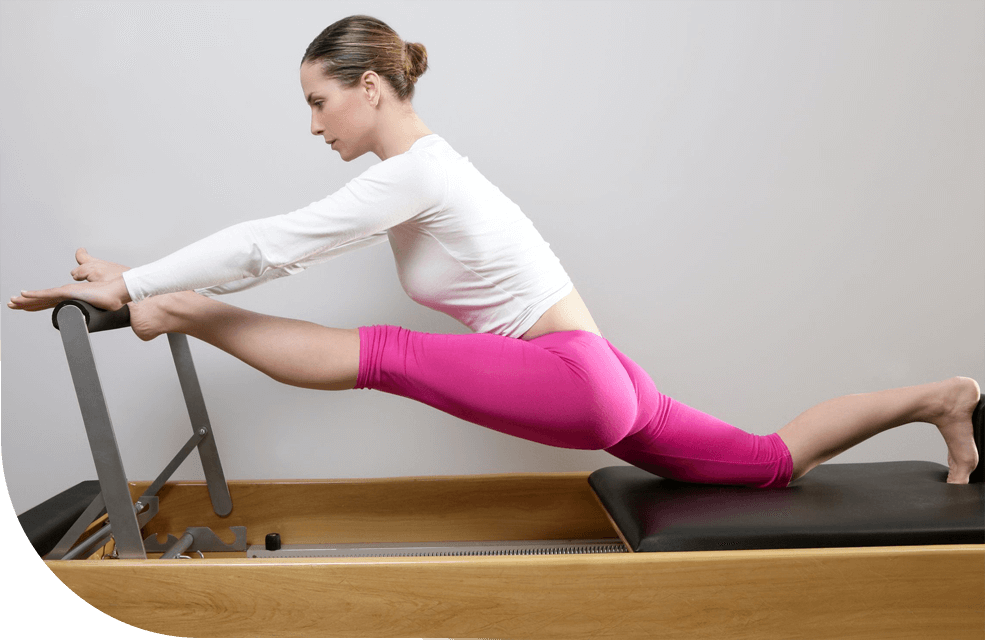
(57,294)
(93,269)
(31,305)
(81,272)
(48,298)
(37,300)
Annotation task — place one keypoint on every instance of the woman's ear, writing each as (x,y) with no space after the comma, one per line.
(372,86)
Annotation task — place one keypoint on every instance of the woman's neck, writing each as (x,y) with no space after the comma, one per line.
(399,134)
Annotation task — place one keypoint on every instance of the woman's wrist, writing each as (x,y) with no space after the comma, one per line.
(120,288)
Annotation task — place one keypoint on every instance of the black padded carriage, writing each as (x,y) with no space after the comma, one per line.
(835,505)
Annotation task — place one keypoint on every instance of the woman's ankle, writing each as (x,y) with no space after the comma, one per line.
(168,313)
(184,310)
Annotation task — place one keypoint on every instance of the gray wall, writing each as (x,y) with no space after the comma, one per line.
(765,204)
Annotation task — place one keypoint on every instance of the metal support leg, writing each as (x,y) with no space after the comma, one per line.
(222,504)
(99,429)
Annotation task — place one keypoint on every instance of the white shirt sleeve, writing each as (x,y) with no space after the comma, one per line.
(249,253)
(297,267)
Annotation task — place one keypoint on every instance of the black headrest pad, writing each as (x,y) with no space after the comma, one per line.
(835,505)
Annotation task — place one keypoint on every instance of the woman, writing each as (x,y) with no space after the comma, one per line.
(536,366)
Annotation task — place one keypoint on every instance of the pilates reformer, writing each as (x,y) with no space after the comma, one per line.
(874,550)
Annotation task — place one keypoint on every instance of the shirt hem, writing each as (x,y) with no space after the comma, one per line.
(534,313)
(134,297)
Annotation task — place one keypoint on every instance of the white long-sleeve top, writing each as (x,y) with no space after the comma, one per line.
(461,246)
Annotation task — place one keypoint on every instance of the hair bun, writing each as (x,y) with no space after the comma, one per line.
(417,60)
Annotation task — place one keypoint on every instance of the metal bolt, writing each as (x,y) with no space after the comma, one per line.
(202,431)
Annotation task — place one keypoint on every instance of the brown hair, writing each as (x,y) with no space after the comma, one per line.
(352,46)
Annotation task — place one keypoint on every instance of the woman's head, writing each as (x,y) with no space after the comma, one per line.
(349,48)
(358,76)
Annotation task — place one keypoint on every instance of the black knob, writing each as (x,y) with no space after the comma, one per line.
(272,542)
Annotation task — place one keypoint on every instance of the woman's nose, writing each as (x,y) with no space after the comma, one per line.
(316,128)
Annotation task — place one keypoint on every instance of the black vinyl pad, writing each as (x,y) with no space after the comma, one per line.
(46,523)
(835,505)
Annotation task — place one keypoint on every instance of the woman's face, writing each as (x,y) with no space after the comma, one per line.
(344,117)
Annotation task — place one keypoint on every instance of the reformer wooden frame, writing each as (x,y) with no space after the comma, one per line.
(865,592)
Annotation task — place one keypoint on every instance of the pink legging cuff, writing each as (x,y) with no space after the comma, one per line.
(570,389)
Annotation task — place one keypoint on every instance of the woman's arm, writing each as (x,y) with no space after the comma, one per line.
(297,267)
(251,253)
(384,196)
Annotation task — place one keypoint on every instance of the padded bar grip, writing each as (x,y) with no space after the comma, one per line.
(96,319)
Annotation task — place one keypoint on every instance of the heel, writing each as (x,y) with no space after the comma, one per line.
(978,429)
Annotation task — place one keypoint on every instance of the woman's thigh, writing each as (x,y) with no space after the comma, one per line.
(566,389)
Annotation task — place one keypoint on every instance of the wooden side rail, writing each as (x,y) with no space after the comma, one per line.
(871,592)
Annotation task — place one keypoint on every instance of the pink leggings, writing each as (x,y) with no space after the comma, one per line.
(569,389)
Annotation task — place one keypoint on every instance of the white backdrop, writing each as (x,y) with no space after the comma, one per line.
(765,204)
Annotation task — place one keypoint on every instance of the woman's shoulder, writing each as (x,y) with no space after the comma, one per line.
(417,170)
(426,154)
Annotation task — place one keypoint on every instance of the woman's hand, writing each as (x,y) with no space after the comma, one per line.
(110,295)
(94,269)
(105,288)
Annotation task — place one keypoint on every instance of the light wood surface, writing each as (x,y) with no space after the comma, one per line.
(422,509)
(877,592)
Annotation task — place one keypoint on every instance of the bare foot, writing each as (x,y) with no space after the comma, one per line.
(959,397)
(157,315)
